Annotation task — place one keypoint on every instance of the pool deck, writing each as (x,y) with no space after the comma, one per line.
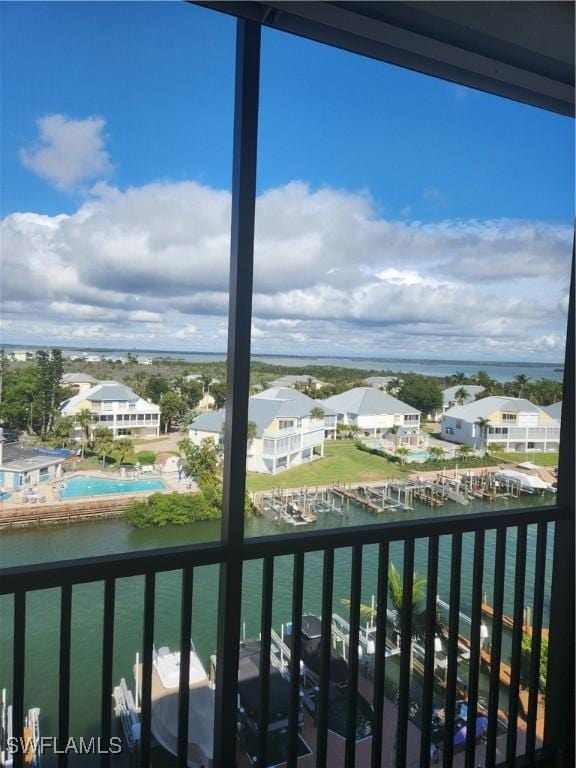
(45,504)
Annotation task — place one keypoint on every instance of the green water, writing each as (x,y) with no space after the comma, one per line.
(45,544)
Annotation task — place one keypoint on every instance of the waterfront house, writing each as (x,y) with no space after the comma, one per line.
(79,382)
(376,414)
(380,382)
(461,394)
(286,434)
(21,468)
(512,423)
(117,407)
(298,380)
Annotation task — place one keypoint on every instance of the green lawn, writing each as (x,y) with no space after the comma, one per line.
(541,459)
(342,462)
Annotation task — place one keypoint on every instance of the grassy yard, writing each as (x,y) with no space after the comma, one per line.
(541,459)
(342,462)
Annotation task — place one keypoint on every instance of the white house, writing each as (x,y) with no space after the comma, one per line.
(294,380)
(455,396)
(286,433)
(117,407)
(513,423)
(376,413)
(79,382)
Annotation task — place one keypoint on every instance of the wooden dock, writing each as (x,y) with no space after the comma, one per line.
(65,512)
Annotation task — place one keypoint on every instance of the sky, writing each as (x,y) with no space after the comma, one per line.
(397,215)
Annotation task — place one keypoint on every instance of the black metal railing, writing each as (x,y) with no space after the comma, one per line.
(21,581)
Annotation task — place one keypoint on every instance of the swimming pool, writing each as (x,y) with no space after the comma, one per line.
(100,486)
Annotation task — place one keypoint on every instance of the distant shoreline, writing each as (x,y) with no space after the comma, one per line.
(167,353)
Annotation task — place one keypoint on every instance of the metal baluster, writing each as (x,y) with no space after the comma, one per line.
(323,698)
(405,653)
(452,670)
(265,644)
(429,646)
(353,640)
(496,646)
(538,607)
(107,660)
(513,692)
(293,719)
(474,665)
(148,644)
(19,667)
(64,673)
(380,661)
(185,648)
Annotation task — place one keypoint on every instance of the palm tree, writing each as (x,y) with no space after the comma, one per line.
(464,451)
(402,452)
(483,425)
(317,413)
(435,453)
(103,442)
(85,419)
(124,449)
(461,395)
(520,383)
(459,378)
(205,380)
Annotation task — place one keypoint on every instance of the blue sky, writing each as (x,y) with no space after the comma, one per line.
(378,188)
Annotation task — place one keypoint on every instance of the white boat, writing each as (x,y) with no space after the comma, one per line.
(164,709)
(164,723)
(529,483)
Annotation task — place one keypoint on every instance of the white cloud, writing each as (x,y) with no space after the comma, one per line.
(68,151)
(331,275)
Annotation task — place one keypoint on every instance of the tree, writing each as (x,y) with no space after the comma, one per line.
(156,387)
(483,425)
(402,452)
(206,381)
(172,408)
(103,441)
(317,413)
(123,449)
(464,451)
(486,381)
(435,453)
(520,384)
(50,371)
(461,395)
(84,419)
(200,461)
(62,428)
(218,392)
(421,393)
(459,378)
(251,431)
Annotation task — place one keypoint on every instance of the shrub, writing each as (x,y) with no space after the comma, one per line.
(146,457)
(175,508)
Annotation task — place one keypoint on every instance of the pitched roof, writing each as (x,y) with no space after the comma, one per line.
(484,408)
(79,378)
(367,400)
(105,391)
(295,379)
(263,408)
(554,410)
(379,381)
(287,393)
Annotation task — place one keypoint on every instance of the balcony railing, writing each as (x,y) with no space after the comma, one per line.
(402,744)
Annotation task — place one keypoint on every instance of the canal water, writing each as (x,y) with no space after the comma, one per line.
(45,544)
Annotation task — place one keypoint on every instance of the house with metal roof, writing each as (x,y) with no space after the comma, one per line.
(375,413)
(380,382)
(79,382)
(296,380)
(554,410)
(461,394)
(512,423)
(117,407)
(286,433)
